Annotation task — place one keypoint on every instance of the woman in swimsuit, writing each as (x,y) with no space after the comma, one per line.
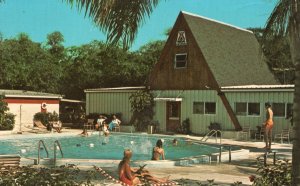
(125,172)
(158,151)
(268,125)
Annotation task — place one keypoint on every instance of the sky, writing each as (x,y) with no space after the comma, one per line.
(38,18)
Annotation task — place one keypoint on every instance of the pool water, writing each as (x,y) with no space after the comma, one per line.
(101,147)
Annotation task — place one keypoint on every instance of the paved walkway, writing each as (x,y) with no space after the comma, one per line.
(224,174)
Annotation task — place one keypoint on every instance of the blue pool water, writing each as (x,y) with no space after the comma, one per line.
(111,147)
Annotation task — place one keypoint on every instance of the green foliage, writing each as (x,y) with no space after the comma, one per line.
(45,117)
(7,120)
(27,65)
(142,107)
(278,56)
(276,175)
(185,127)
(27,176)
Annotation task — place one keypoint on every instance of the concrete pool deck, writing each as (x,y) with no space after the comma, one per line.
(224,174)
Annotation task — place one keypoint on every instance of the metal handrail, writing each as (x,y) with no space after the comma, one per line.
(211,133)
(39,150)
(56,143)
(229,153)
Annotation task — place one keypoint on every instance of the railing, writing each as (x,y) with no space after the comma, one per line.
(39,150)
(57,144)
(229,152)
(212,133)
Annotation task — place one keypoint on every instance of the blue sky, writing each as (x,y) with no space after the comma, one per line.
(41,17)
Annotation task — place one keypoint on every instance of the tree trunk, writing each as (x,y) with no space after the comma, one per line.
(295,52)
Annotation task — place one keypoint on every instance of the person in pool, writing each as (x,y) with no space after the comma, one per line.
(158,151)
(129,175)
(175,142)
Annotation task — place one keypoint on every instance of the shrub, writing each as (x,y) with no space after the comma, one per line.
(184,128)
(278,174)
(7,120)
(142,103)
(42,117)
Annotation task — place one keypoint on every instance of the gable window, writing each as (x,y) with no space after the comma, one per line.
(253,109)
(204,108)
(241,109)
(181,60)
(181,39)
(278,109)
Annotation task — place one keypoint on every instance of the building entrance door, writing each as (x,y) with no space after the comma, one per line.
(173,115)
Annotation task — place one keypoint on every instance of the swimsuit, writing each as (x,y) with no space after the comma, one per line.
(124,179)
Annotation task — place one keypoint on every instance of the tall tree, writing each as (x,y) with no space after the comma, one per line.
(55,43)
(119,19)
(285,20)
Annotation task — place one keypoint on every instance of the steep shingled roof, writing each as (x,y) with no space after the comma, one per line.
(233,54)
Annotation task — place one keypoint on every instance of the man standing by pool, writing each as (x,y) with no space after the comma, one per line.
(268,125)
(114,122)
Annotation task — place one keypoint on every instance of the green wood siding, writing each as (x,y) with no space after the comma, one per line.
(109,103)
(114,102)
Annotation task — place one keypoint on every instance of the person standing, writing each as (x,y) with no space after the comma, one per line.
(268,125)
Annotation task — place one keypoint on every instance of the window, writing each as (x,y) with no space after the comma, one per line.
(278,109)
(204,108)
(198,108)
(210,108)
(174,110)
(253,109)
(289,110)
(241,109)
(180,60)
(181,39)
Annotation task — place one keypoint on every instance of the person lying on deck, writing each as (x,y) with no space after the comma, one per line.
(131,176)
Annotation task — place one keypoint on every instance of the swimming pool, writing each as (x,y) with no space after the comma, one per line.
(100,147)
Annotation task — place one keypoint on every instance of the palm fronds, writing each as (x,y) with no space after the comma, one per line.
(278,22)
(119,19)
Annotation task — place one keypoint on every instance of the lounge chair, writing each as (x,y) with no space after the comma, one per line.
(10,160)
(244,133)
(260,133)
(104,173)
(283,135)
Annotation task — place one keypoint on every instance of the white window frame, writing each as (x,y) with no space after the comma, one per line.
(247,110)
(186,61)
(204,108)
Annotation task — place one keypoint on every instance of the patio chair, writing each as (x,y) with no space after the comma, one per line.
(89,125)
(117,127)
(244,133)
(12,160)
(283,135)
(260,133)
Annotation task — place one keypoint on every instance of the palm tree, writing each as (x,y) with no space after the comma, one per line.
(119,19)
(285,20)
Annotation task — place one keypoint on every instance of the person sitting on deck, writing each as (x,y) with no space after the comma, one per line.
(131,176)
(114,122)
(57,126)
(158,151)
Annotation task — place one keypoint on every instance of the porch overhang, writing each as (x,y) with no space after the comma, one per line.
(167,99)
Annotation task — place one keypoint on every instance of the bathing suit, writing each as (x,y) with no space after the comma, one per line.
(269,122)
(124,179)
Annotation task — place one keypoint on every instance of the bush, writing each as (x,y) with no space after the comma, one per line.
(7,120)
(184,127)
(278,174)
(42,117)
(65,175)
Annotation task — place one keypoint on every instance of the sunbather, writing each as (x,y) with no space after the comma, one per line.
(114,123)
(131,176)
(57,126)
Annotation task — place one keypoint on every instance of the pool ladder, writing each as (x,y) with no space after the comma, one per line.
(56,146)
(213,133)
